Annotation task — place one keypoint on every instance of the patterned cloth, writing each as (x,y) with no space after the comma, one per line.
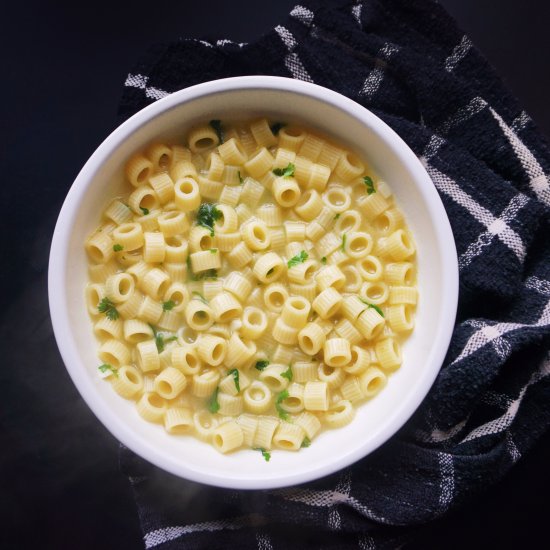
(409,64)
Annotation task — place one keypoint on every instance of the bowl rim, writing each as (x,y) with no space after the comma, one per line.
(59,306)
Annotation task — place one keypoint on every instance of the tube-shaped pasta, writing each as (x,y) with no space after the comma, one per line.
(252,192)
(304,371)
(370,323)
(372,381)
(163,186)
(309,205)
(401,273)
(352,307)
(311,339)
(360,360)
(149,310)
(273,377)
(257,397)
(336,198)
(118,212)
(358,244)
(155,283)
(186,194)
(295,312)
(339,415)
(214,166)
(262,133)
(333,376)
(327,244)
(154,247)
(402,295)
(265,431)
(232,152)
(138,169)
(204,424)
(373,205)
(286,191)
(351,389)
(227,437)
(170,383)
(228,241)
(255,234)
(100,247)
(268,267)
(205,260)
(349,167)
(254,323)
(285,334)
(330,276)
(398,246)
(288,437)
(152,407)
(249,425)
(238,285)
(303,272)
(337,352)
(108,328)
(136,331)
(260,163)
(148,356)
(129,381)
(186,359)
(239,256)
(294,403)
(346,330)
(239,351)
(225,307)
(130,307)
(228,222)
(316,396)
(201,239)
(178,420)
(173,223)
(100,272)
(231,195)
(275,296)
(327,303)
(199,316)
(205,383)
(114,352)
(270,214)
(230,405)
(291,137)
(160,155)
(178,295)
(400,317)
(202,138)
(309,423)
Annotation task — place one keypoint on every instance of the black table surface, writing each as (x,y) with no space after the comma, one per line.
(63,66)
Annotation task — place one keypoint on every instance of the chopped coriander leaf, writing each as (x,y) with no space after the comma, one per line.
(288,373)
(170,339)
(373,306)
(207,216)
(306,442)
(208,274)
(213,404)
(169,305)
(235,374)
(287,172)
(298,259)
(324,260)
(217,127)
(265,454)
(118,247)
(159,341)
(261,365)
(283,415)
(276,127)
(144,210)
(107,307)
(241,181)
(343,247)
(370,185)
(213,250)
(106,367)
(337,216)
(200,297)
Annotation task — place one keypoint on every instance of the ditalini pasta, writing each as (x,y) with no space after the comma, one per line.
(252,287)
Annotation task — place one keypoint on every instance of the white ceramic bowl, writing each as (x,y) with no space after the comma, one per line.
(349,124)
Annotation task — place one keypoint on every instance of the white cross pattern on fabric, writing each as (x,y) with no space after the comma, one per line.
(506,234)
(538,180)
(356,11)
(292,61)
(458,54)
(303,14)
(375,77)
(139,81)
(447,486)
(263,542)
(476,105)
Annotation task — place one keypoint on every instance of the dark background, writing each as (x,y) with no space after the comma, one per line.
(63,65)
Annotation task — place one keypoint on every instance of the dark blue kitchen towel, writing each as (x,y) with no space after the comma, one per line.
(409,63)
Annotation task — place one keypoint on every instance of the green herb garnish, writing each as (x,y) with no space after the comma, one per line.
(207,216)
(106,367)
(235,374)
(337,216)
(287,172)
(265,453)
(160,340)
(280,398)
(241,181)
(213,404)
(208,274)
(288,373)
(324,260)
(213,250)
(261,365)
(217,127)
(306,442)
(200,297)
(118,247)
(298,259)
(276,127)
(144,210)
(107,307)
(373,306)
(343,247)
(367,180)
(169,305)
